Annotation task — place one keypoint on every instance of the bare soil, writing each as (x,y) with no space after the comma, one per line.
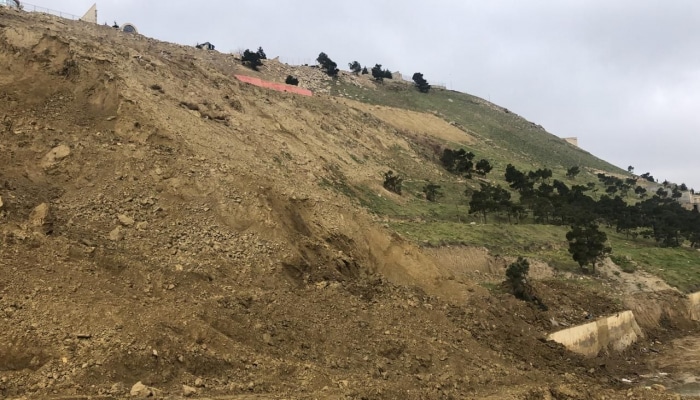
(164,223)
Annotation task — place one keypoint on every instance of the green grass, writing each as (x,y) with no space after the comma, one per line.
(679,267)
(503,138)
(516,139)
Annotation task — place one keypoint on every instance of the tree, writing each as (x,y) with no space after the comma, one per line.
(630,169)
(252,59)
(261,53)
(330,67)
(458,161)
(587,244)
(518,180)
(573,171)
(377,73)
(432,192)
(422,85)
(683,187)
(392,182)
(364,71)
(291,80)
(483,167)
(648,177)
(355,67)
(517,280)
(489,199)
(640,191)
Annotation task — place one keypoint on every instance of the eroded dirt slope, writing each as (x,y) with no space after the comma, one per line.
(162,222)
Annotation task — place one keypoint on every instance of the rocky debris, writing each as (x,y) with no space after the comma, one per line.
(56,154)
(125,220)
(188,391)
(1,203)
(199,382)
(116,234)
(140,390)
(658,387)
(40,218)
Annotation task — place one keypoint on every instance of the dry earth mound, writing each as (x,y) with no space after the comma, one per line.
(166,224)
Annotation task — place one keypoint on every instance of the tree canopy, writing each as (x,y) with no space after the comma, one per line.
(330,67)
(422,85)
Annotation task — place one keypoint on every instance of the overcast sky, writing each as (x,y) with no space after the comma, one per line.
(623,76)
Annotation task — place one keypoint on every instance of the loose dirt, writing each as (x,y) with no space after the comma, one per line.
(163,223)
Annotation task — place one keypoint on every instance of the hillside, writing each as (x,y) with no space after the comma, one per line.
(162,222)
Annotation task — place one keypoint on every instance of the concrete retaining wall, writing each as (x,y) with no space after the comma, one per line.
(694,305)
(616,332)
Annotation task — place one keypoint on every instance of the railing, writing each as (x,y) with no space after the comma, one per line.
(38,9)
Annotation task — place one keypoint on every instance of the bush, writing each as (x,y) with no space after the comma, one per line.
(291,80)
(392,182)
(252,59)
(432,192)
(517,280)
(625,263)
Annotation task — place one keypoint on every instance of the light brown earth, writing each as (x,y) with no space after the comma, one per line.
(163,223)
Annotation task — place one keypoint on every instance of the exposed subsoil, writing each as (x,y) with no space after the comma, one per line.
(162,223)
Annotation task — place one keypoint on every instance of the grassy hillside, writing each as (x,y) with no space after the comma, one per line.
(504,135)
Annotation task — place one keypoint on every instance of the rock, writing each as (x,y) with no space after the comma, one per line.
(658,387)
(188,391)
(116,234)
(267,338)
(56,154)
(40,218)
(125,220)
(199,382)
(140,390)
(1,203)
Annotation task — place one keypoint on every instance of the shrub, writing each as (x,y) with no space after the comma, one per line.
(517,281)
(291,80)
(252,59)
(392,182)
(432,192)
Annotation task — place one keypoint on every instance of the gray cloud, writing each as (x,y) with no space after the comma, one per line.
(623,76)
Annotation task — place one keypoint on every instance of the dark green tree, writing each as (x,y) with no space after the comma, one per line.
(630,169)
(587,244)
(392,182)
(573,172)
(458,161)
(364,71)
(648,177)
(355,67)
(330,67)
(432,192)
(422,85)
(291,80)
(490,199)
(640,191)
(261,53)
(251,59)
(483,167)
(378,73)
